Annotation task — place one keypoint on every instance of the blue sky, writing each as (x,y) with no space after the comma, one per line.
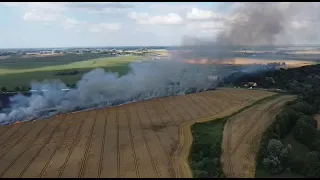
(54,24)
(70,24)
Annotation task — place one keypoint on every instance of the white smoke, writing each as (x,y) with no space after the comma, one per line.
(98,89)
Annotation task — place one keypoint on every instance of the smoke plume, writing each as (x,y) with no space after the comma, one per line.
(99,89)
(259,23)
(254,23)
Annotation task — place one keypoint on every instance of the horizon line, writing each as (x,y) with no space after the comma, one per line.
(118,46)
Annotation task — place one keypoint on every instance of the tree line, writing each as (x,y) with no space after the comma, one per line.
(296,118)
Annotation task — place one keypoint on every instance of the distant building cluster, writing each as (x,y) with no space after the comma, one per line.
(251,85)
(56,51)
(137,51)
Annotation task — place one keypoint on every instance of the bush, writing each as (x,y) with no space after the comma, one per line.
(304,107)
(266,136)
(272,164)
(24,88)
(200,174)
(282,125)
(309,120)
(205,151)
(305,130)
(277,156)
(274,147)
(17,88)
(315,145)
(311,166)
(3,89)
(212,166)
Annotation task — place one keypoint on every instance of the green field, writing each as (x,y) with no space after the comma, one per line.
(21,71)
(204,157)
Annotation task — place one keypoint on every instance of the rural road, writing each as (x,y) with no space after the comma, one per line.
(143,139)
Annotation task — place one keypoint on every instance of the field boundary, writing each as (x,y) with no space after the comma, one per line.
(180,158)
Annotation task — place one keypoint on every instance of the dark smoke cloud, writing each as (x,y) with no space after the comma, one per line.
(254,23)
(259,23)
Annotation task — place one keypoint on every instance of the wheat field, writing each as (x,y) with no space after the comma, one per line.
(142,139)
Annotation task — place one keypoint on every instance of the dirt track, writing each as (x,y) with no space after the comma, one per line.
(242,134)
(134,140)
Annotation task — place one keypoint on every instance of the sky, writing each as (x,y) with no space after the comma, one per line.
(85,24)
(75,24)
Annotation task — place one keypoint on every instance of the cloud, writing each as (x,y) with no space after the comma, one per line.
(70,23)
(63,6)
(36,16)
(102,7)
(206,25)
(48,12)
(145,18)
(198,14)
(105,27)
(166,8)
(12,4)
(299,24)
(42,11)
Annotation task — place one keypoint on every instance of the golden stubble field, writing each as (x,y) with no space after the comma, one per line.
(143,139)
(242,134)
(251,61)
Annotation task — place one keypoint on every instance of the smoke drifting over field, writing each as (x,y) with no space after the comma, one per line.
(249,24)
(98,88)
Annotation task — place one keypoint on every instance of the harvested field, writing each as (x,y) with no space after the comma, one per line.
(248,61)
(133,140)
(242,134)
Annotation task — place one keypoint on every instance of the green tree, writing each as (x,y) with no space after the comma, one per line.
(24,88)
(311,166)
(315,145)
(212,166)
(200,174)
(304,131)
(277,156)
(17,88)
(3,89)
